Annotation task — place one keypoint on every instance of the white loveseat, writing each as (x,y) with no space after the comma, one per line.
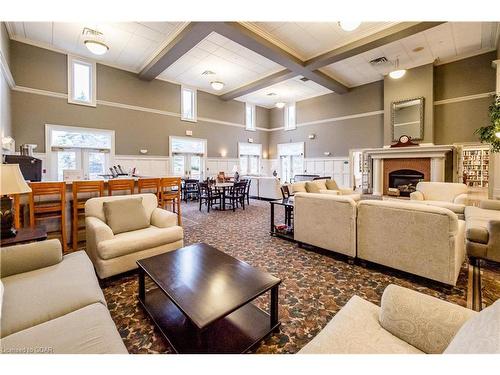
(408,322)
(452,196)
(320,187)
(326,221)
(113,254)
(264,187)
(53,303)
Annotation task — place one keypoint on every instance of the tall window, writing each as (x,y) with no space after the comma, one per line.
(81,81)
(290,119)
(249,154)
(250,117)
(84,149)
(188,104)
(291,157)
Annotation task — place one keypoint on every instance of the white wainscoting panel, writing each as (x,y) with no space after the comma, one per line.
(215,165)
(145,165)
(337,168)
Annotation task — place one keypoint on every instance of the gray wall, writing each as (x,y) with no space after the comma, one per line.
(5,92)
(43,69)
(336,137)
(417,82)
(456,122)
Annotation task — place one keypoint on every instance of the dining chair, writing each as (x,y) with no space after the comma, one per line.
(247,190)
(121,184)
(221,177)
(91,189)
(236,195)
(208,195)
(48,202)
(170,193)
(149,185)
(190,189)
(285,191)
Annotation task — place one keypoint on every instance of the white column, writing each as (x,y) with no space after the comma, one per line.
(437,169)
(494,181)
(378,177)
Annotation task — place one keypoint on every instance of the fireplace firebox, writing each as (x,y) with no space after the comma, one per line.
(405,180)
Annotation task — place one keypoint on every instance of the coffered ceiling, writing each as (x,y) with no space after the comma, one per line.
(254,59)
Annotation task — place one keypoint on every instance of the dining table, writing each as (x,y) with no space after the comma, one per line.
(223,186)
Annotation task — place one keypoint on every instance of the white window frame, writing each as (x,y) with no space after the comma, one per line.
(259,154)
(93,82)
(194,104)
(286,121)
(203,156)
(283,150)
(250,124)
(51,159)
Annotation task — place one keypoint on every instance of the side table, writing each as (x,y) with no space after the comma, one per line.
(24,235)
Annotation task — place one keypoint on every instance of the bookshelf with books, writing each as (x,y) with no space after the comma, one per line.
(475,166)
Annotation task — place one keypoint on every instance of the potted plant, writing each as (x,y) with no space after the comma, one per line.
(491,133)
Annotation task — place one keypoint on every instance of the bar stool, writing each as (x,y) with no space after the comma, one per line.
(150,184)
(78,204)
(123,184)
(49,209)
(170,192)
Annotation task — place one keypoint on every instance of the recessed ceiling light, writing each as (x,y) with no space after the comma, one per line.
(349,25)
(280,105)
(207,73)
(397,73)
(217,85)
(95,41)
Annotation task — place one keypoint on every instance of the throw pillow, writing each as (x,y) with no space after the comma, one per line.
(125,215)
(479,335)
(331,185)
(321,184)
(299,187)
(311,187)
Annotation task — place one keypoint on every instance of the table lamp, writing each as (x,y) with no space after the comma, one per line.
(11,183)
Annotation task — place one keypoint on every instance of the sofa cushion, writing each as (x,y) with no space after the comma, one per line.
(142,239)
(479,335)
(126,215)
(454,207)
(89,330)
(330,192)
(298,187)
(331,185)
(312,187)
(355,329)
(35,297)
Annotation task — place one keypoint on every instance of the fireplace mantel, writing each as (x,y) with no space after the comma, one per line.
(436,154)
(410,152)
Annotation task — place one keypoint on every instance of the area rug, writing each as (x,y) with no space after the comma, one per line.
(315,284)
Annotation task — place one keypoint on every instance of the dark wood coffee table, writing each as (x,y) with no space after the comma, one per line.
(203,300)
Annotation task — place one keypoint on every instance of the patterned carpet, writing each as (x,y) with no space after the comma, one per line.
(315,284)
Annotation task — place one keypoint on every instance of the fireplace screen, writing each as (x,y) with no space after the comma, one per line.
(405,180)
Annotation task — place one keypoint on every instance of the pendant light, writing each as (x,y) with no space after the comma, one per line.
(397,73)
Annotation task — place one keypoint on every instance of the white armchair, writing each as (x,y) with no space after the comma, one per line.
(116,253)
(453,196)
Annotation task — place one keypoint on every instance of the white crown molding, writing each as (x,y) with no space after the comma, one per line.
(465,98)
(463,57)
(341,118)
(6,71)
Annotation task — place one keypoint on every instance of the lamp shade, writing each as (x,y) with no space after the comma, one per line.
(12,180)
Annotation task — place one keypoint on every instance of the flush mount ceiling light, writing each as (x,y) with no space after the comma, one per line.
(280,105)
(349,25)
(217,85)
(94,41)
(397,73)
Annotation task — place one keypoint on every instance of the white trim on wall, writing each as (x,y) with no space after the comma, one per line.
(465,98)
(6,71)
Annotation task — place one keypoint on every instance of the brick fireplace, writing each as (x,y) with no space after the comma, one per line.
(421,165)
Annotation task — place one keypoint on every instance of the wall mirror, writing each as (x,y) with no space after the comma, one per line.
(407,118)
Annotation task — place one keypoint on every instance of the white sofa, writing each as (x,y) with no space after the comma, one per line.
(300,187)
(408,322)
(53,303)
(326,221)
(113,254)
(264,187)
(452,196)
(483,230)
(420,239)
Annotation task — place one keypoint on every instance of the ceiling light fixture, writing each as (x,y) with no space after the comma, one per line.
(217,85)
(397,73)
(349,25)
(94,41)
(280,105)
